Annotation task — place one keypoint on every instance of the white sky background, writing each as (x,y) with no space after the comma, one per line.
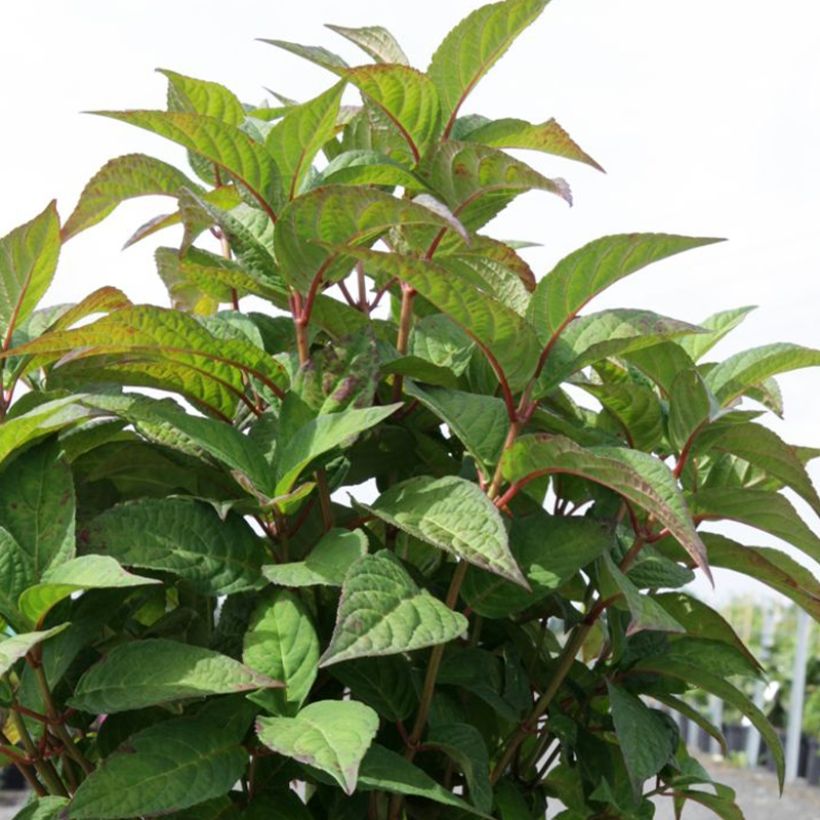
(706,115)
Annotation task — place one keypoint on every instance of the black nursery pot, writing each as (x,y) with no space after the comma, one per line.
(813,761)
(736,737)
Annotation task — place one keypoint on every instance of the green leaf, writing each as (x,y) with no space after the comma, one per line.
(453,515)
(471,49)
(315,54)
(296,139)
(715,683)
(366,167)
(383,612)
(693,714)
(638,477)
(463,744)
(37,507)
(202,97)
(701,621)
(166,767)
(121,179)
(691,406)
(42,808)
(635,407)
(384,770)
(321,435)
(505,337)
(170,347)
(719,325)
(646,613)
(76,575)
(480,422)
(735,375)
(406,96)
(661,363)
(549,549)
(592,338)
(165,422)
(477,182)
(182,536)
(17,432)
(14,648)
(548,137)
(767,511)
(384,683)
(28,259)
(326,564)
(311,228)
(220,143)
(769,566)
(646,738)
(329,735)
(762,448)
(586,272)
(154,671)
(281,643)
(376,41)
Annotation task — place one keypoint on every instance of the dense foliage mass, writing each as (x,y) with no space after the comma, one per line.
(198,623)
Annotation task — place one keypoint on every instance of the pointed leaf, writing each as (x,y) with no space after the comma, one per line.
(121,179)
(586,272)
(646,612)
(453,515)
(314,54)
(734,376)
(646,738)
(406,96)
(220,143)
(296,139)
(550,550)
(330,735)
(321,435)
(202,97)
(767,511)
(635,407)
(166,767)
(691,406)
(376,41)
(181,536)
(715,683)
(366,167)
(384,683)
(383,612)
(336,215)
(42,808)
(281,643)
(762,448)
(154,671)
(471,49)
(548,137)
(718,324)
(638,477)
(480,422)
(28,259)
(463,744)
(384,770)
(76,575)
(326,564)
(37,508)
(477,181)
(500,331)
(14,648)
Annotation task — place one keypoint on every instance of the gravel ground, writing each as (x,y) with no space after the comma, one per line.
(756,792)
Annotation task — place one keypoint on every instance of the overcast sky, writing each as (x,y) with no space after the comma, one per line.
(705,114)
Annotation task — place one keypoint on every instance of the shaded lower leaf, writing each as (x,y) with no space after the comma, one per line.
(463,743)
(330,735)
(384,683)
(281,643)
(182,536)
(164,768)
